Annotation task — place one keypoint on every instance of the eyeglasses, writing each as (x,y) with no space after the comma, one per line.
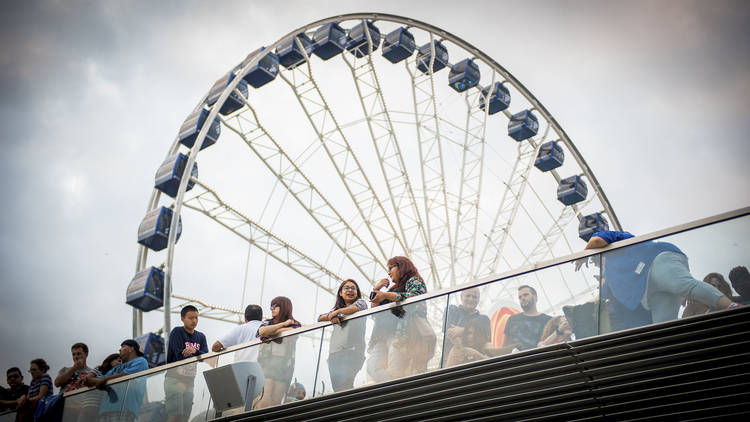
(349,289)
(274,307)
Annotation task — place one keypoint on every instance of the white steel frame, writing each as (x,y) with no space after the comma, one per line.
(440,240)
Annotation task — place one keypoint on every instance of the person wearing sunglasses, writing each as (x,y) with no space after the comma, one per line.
(277,357)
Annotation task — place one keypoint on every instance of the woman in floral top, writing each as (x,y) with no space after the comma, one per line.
(412,339)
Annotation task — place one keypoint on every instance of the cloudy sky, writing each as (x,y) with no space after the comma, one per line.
(654,95)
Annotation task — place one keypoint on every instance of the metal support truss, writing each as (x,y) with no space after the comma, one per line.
(433,175)
(380,126)
(247,125)
(218,313)
(467,211)
(502,222)
(338,149)
(210,204)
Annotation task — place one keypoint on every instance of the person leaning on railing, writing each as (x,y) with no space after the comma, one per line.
(277,357)
(413,338)
(346,352)
(117,408)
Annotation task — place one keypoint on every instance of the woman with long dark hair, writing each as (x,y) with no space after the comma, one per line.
(413,340)
(277,357)
(109,362)
(346,352)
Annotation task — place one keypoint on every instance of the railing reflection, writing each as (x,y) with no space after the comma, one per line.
(551,303)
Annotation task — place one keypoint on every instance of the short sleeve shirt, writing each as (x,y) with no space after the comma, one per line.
(135,391)
(525,331)
(36,385)
(243,334)
(76,381)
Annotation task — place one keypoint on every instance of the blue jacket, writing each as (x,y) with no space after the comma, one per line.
(626,269)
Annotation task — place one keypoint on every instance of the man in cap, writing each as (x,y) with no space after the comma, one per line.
(122,407)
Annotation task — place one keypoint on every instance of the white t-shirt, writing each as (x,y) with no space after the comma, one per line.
(242,334)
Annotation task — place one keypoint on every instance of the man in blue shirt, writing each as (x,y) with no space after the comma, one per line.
(125,406)
(184,342)
(647,281)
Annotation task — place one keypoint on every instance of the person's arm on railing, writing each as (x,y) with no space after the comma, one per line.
(274,329)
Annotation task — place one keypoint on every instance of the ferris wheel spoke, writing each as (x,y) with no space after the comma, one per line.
(472,166)
(389,157)
(210,204)
(505,215)
(296,182)
(432,169)
(553,234)
(343,158)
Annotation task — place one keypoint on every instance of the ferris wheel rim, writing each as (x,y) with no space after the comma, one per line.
(410,23)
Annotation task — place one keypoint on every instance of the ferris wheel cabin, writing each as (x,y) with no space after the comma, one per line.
(329,40)
(572,190)
(193,125)
(170,172)
(425,54)
(523,125)
(398,45)
(236,99)
(499,98)
(265,70)
(154,229)
(550,156)
(464,75)
(357,39)
(291,54)
(591,224)
(146,290)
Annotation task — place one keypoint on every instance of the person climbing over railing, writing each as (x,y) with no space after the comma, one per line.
(645,282)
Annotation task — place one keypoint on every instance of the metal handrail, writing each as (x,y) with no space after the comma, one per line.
(719,218)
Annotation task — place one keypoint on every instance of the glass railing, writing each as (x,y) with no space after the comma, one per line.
(632,283)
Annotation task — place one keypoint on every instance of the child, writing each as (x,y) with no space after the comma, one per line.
(184,342)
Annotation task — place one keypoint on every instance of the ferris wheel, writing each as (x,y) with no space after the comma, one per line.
(357,138)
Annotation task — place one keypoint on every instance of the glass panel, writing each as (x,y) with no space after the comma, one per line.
(504,317)
(659,280)
(405,341)
(115,402)
(231,370)
(84,406)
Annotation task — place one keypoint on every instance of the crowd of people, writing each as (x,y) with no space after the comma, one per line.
(641,284)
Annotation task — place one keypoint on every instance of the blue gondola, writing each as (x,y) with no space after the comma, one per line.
(264,71)
(193,124)
(398,45)
(146,290)
(289,52)
(235,101)
(550,156)
(424,56)
(356,41)
(464,75)
(152,347)
(329,40)
(591,224)
(523,125)
(154,229)
(170,172)
(499,98)
(571,190)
